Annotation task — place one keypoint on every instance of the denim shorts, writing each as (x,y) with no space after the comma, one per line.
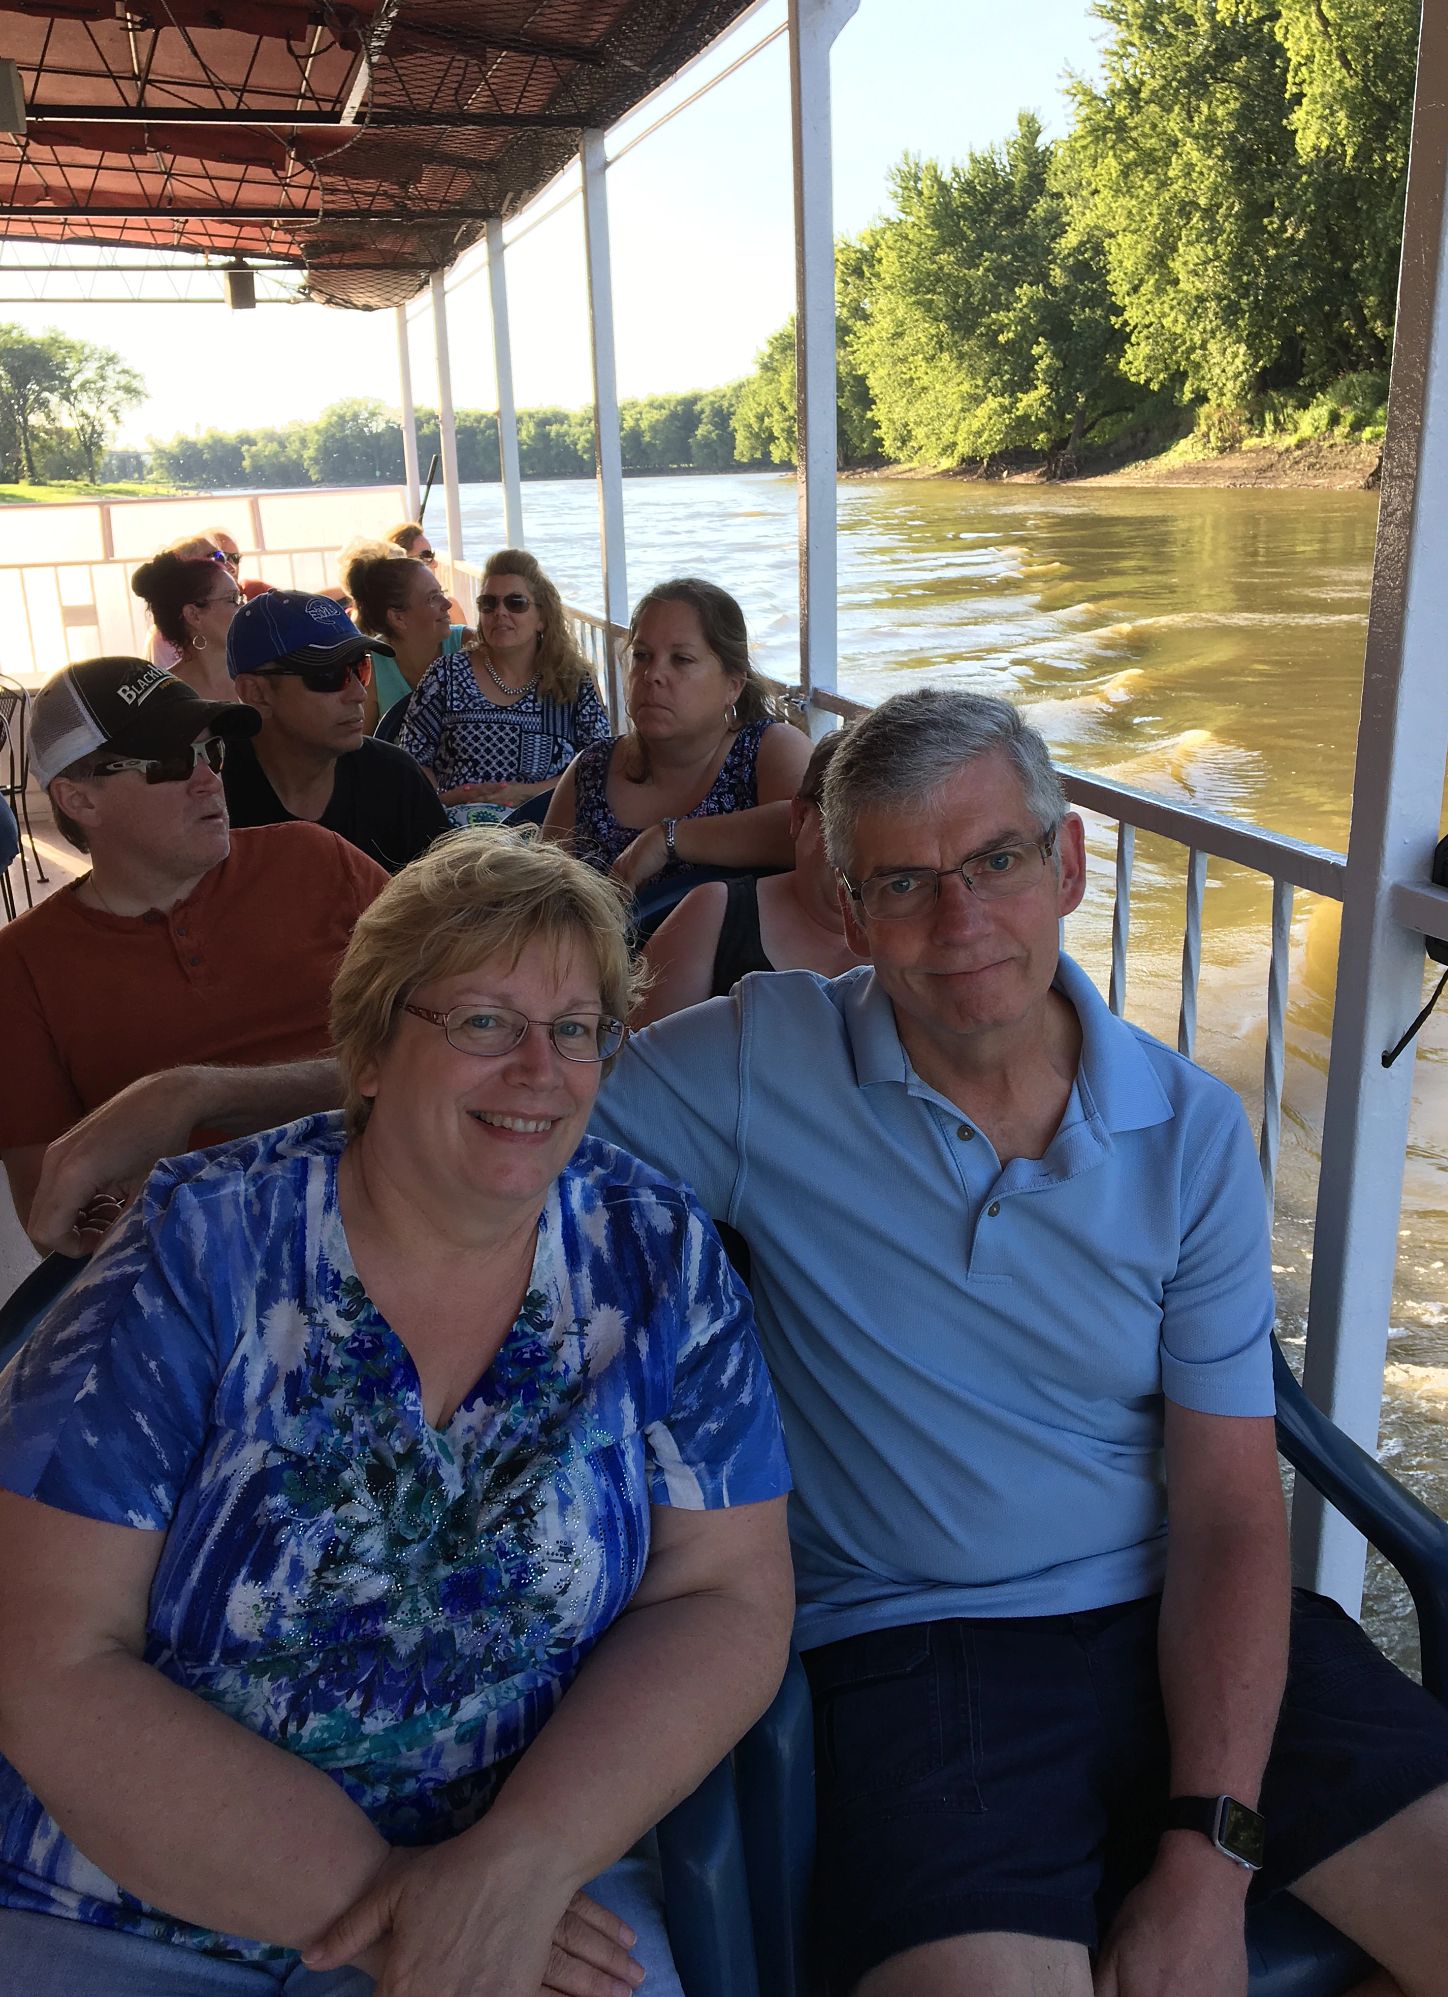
(46,1955)
(1010,1775)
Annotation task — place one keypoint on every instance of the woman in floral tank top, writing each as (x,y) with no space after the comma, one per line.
(705,775)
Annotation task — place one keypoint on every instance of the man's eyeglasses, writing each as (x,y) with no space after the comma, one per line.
(497,1029)
(994,876)
(176,767)
(323,678)
(514,601)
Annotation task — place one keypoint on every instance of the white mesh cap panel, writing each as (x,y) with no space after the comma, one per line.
(62,728)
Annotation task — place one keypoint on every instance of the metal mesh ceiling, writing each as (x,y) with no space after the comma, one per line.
(365,144)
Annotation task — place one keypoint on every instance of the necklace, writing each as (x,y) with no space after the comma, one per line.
(502,684)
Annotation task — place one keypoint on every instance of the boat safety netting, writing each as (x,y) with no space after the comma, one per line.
(366,145)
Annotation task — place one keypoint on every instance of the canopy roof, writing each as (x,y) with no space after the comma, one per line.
(366,144)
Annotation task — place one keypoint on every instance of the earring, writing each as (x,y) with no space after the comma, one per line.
(199,642)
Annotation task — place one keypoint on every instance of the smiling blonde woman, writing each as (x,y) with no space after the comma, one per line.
(425,1505)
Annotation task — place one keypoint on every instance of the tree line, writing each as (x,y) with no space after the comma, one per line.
(359,442)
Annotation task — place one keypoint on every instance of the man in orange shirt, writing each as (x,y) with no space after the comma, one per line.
(186,941)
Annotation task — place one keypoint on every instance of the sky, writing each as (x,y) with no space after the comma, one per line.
(701,227)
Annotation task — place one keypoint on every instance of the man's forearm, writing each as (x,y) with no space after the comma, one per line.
(241,1100)
(1223,1653)
(112,1149)
(186,1808)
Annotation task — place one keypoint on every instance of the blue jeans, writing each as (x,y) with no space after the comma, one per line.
(43,1955)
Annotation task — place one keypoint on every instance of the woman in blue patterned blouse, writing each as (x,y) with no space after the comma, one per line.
(392,1526)
(500,721)
(705,775)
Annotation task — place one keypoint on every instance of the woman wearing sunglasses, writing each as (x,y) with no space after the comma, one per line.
(192,603)
(500,722)
(392,1527)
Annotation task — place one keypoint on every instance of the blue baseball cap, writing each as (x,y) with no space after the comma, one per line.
(289,627)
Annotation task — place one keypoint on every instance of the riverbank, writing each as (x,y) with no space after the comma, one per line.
(74,489)
(1317,464)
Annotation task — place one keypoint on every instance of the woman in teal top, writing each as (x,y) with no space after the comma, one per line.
(401,602)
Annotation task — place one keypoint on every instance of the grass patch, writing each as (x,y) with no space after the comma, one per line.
(63,489)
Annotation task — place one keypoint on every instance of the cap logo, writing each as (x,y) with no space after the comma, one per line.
(135,691)
(324,610)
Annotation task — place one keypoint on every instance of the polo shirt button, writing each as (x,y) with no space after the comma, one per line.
(994,1208)
(965,1131)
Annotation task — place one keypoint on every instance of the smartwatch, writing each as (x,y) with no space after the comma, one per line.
(1237,1832)
(670,844)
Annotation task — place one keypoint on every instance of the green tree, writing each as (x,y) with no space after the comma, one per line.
(990,326)
(276,458)
(354,442)
(1241,162)
(33,372)
(97,389)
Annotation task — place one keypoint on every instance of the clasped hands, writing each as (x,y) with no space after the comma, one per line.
(450,1922)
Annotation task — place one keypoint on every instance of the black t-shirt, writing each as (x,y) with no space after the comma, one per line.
(381,801)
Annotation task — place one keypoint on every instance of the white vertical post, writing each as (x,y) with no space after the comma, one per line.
(813,26)
(409,415)
(446,428)
(1397,789)
(608,452)
(503,368)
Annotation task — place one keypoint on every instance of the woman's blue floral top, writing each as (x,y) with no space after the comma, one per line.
(401,1605)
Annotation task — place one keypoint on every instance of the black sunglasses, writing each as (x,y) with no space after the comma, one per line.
(423,555)
(514,601)
(323,679)
(176,767)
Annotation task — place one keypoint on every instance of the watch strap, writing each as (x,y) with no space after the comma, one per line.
(1213,1817)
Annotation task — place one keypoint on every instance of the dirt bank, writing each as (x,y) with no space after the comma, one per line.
(1327,467)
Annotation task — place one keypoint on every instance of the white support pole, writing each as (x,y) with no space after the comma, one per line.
(1397,790)
(447,429)
(507,408)
(813,27)
(608,453)
(409,414)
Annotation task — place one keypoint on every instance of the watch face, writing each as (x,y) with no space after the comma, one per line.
(1241,1833)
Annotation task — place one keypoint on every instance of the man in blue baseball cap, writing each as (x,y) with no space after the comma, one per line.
(303,665)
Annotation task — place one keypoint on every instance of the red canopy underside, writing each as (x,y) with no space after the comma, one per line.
(461,109)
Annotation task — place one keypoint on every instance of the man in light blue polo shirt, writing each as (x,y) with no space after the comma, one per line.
(1011,1271)
(1010,1268)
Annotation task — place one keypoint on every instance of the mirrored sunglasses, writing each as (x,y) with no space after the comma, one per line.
(176,767)
(514,601)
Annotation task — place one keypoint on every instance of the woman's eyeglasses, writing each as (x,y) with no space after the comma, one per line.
(176,767)
(514,601)
(322,678)
(425,555)
(497,1029)
(227,561)
(232,596)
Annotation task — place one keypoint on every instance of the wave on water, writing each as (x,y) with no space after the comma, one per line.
(1183,620)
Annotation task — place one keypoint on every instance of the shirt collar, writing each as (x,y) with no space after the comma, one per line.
(1116,1079)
